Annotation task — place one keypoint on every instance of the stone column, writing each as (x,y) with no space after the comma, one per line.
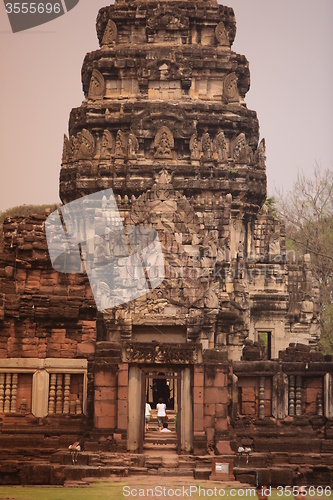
(40,393)
(187,413)
(135,412)
(122,414)
(198,407)
(328,396)
(280,395)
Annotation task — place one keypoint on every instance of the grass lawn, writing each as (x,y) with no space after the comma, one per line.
(137,488)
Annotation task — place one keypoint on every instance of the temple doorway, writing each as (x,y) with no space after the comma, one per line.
(162,386)
(148,385)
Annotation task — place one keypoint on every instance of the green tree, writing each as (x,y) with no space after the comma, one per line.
(308,213)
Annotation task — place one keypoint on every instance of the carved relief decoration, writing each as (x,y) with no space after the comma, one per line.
(67,150)
(110,33)
(168,19)
(107,145)
(206,145)
(230,90)
(97,85)
(121,145)
(242,152)
(195,147)
(87,147)
(132,146)
(222,35)
(164,143)
(220,146)
(260,155)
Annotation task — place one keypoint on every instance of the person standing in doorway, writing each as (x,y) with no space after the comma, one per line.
(147,416)
(161,413)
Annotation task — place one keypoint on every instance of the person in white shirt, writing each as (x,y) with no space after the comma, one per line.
(147,416)
(161,414)
(165,427)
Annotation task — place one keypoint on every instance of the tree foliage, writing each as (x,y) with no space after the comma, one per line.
(308,213)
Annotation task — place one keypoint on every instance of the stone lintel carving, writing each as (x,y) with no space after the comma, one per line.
(97,85)
(110,33)
(230,89)
(222,35)
(164,143)
(107,145)
(220,147)
(135,352)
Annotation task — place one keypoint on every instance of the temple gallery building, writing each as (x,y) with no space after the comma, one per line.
(168,278)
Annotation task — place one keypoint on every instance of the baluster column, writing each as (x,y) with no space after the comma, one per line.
(292,395)
(7,392)
(2,390)
(59,394)
(52,393)
(67,383)
(298,396)
(262,397)
(14,393)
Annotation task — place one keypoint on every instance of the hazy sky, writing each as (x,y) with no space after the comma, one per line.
(289,44)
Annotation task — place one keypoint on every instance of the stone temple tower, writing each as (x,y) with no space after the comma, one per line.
(165,126)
